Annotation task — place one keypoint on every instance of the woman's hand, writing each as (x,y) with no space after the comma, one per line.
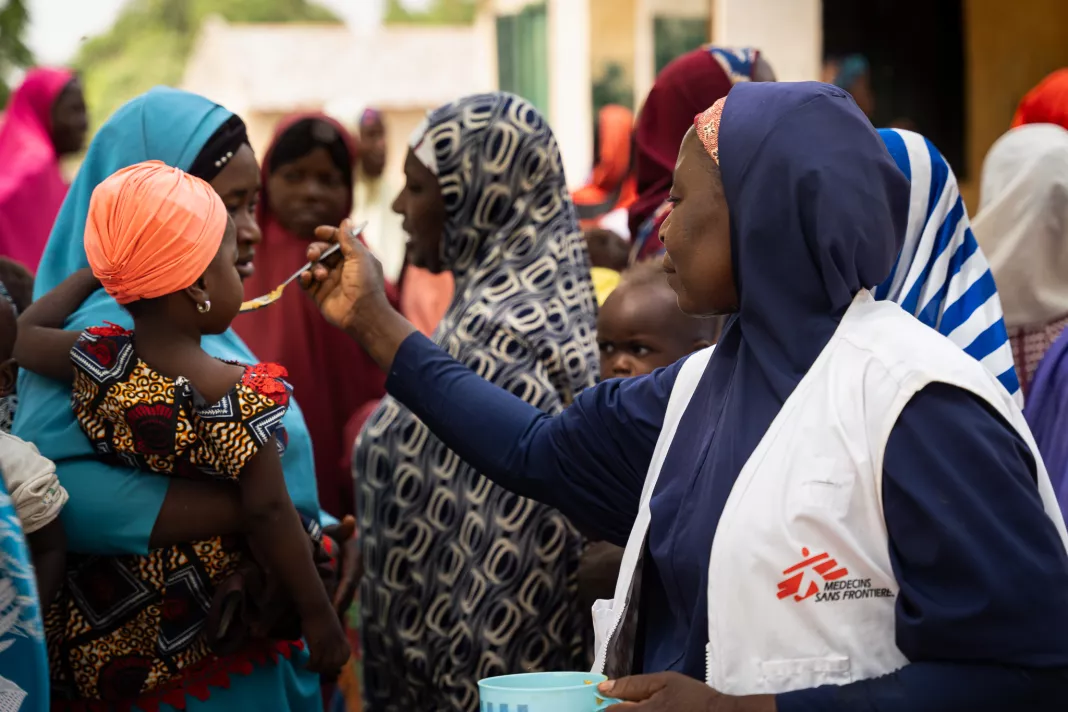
(352,296)
(338,290)
(672,692)
(350,562)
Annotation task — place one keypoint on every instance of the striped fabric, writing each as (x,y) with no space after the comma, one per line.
(941,275)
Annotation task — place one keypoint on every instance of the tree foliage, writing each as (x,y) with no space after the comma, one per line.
(14,54)
(152,39)
(612,87)
(440,12)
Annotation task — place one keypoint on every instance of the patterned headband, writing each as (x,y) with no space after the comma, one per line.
(707,125)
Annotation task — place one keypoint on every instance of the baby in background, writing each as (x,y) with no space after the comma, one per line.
(640,328)
(161,244)
(30,478)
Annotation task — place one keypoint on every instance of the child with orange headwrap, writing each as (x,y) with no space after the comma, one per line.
(160,242)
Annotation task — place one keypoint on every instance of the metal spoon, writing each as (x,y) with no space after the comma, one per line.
(275,294)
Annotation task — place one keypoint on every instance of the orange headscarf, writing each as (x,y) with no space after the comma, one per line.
(1047,103)
(152,230)
(612,178)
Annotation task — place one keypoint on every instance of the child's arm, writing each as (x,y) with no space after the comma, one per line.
(282,546)
(42,345)
(48,546)
(195,510)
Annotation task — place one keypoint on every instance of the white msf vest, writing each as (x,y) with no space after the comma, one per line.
(801,592)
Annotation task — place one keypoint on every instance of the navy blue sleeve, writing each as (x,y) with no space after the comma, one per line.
(982,612)
(589,461)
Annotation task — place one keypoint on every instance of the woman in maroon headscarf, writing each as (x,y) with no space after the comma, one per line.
(44,121)
(307,182)
(683,89)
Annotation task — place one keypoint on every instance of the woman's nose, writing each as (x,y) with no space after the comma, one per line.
(313,190)
(248,231)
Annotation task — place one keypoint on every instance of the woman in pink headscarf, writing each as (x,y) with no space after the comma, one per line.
(45,120)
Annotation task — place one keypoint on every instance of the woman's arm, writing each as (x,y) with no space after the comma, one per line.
(279,542)
(43,346)
(982,612)
(589,462)
(193,510)
(48,547)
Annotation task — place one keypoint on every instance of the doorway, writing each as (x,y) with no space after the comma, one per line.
(916,52)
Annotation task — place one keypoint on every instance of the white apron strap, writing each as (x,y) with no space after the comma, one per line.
(607,616)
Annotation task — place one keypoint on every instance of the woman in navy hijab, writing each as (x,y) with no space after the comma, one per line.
(837,509)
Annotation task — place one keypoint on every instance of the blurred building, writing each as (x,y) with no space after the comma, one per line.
(263,72)
(954,69)
(572,56)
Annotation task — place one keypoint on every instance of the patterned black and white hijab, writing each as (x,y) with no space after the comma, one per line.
(512,240)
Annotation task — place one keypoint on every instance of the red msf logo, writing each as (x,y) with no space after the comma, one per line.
(801,579)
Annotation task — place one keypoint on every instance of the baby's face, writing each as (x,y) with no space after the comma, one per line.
(640,329)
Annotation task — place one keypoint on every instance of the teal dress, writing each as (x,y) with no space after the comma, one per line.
(112,510)
(23,661)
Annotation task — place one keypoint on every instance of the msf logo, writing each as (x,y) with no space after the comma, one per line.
(803,579)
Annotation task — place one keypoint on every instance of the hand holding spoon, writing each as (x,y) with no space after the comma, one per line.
(275,294)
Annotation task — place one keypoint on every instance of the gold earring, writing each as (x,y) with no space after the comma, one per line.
(205,307)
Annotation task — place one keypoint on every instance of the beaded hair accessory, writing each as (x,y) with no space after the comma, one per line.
(224,159)
(707,125)
(219,149)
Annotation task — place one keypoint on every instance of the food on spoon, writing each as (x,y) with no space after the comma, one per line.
(262,301)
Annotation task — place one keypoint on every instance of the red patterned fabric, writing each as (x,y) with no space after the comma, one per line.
(707,125)
(196,683)
(1029,346)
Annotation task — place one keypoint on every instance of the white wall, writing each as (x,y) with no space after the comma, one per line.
(644,51)
(570,95)
(788,32)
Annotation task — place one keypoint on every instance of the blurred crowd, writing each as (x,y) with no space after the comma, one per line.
(181,534)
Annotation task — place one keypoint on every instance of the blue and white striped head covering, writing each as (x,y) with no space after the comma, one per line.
(941,276)
(737,64)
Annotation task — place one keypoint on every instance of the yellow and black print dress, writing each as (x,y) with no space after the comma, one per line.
(128,626)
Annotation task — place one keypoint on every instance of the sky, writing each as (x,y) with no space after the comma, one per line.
(57,27)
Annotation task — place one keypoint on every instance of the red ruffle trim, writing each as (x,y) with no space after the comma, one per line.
(108,330)
(267,379)
(196,681)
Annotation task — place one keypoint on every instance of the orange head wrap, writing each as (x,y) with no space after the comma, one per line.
(152,230)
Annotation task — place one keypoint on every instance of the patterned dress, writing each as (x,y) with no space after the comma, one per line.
(132,627)
(463,579)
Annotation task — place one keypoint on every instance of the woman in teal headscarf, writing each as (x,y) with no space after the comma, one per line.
(115,511)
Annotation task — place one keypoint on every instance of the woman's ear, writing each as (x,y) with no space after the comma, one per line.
(198,292)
